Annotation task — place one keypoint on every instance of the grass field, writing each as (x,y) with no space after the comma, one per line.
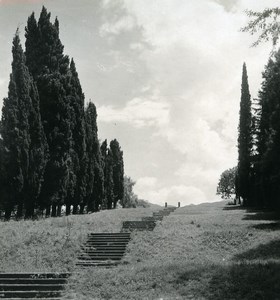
(52,244)
(208,251)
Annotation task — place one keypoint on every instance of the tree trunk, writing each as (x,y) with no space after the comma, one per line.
(58,213)
(8,212)
(53,210)
(48,211)
(68,209)
(29,213)
(75,209)
(19,210)
(82,207)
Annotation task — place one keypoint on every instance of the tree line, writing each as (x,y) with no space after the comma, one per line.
(257,175)
(50,154)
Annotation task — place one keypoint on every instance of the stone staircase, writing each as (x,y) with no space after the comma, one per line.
(147,223)
(32,285)
(103,249)
(138,225)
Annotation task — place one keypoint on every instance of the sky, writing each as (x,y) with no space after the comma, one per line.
(165,76)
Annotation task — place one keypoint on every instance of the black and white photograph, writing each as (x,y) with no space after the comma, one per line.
(140,149)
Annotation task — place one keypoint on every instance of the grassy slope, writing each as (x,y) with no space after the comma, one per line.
(199,252)
(52,244)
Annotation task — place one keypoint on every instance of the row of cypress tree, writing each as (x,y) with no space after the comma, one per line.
(258,171)
(50,154)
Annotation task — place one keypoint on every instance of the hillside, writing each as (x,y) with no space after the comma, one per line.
(52,244)
(205,251)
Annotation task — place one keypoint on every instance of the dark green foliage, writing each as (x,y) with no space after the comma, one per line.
(244,141)
(95,163)
(268,176)
(50,69)
(226,185)
(49,149)
(24,144)
(38,155)
(118,171)
(108,176)
(78,154)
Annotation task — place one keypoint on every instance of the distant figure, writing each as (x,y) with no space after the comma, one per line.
(99,207)
(179,204)
(165,204)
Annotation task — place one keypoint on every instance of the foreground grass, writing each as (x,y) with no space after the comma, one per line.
(53,244)
(199,252)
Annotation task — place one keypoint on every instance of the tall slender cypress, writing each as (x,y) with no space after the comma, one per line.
(118,171)
(76,101)
(244,141)
(95,167)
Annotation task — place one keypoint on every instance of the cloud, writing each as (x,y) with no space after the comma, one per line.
(171,194)
(18,1)
(127,23)
(147,182)
(137,112)
(168,72)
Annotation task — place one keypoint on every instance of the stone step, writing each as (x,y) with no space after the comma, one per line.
(103,264)
(103,252)
(34,275)
(107,240)
(138,226)
(109,234)
(92,248)
(34,298)
(96,257)
(32,281)
(107,254)
(29,294)
(148,219)
(31,287)
(161,214)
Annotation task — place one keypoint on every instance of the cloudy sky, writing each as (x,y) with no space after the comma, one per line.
(165,76)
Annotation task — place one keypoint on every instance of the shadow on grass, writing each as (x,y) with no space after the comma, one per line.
(234,207)
(273,226)
(262,215)
(270,250)
(245,281)
(238,281)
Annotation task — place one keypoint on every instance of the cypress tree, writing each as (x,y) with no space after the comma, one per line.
(50,69)
(107,160)
(15,130)
(76,100)
(38,155)
(244,142)
(269,133)
(95,168)
(118,171)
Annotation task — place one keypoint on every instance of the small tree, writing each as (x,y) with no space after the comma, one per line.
(129,198)
(226,185)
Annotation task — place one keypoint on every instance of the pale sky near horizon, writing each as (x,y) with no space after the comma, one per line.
(165,76)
